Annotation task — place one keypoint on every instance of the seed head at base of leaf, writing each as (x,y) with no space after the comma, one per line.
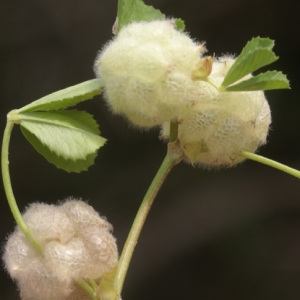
(220,124)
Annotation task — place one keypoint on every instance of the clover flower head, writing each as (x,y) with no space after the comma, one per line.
(219,125)
(77,244)
(147,70)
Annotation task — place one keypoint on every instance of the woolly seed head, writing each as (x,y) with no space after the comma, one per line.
(147,70)
(219,125)
(77,244)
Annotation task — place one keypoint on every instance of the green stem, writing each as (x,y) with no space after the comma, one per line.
(173,157)
(8,187)
(218,88)
(88,288)
(271,163)
(92,283)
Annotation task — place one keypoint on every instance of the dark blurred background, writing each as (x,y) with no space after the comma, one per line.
(227,234)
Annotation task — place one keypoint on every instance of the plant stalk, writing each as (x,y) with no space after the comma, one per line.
(173,157)
(271,163)
(8,187)
(88,288)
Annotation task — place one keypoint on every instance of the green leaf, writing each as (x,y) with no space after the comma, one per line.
(61,163)
(270,80)
(136,11)
(66,97)
(68,139)
(256,54)
(179,24)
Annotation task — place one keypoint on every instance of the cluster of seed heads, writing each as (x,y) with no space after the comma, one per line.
(154,73)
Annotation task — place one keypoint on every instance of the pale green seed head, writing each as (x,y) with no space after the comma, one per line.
(220,124)
(147,70)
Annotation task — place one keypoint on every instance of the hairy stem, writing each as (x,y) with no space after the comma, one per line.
(173,157)
(271,163)
(8,187)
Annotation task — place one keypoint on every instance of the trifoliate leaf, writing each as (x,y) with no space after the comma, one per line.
(66,97)
(135,11)
(270,80)
(68,139)
(256,54)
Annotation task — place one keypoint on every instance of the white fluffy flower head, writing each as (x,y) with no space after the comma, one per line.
(147,70)
(77,244)
(220,124)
